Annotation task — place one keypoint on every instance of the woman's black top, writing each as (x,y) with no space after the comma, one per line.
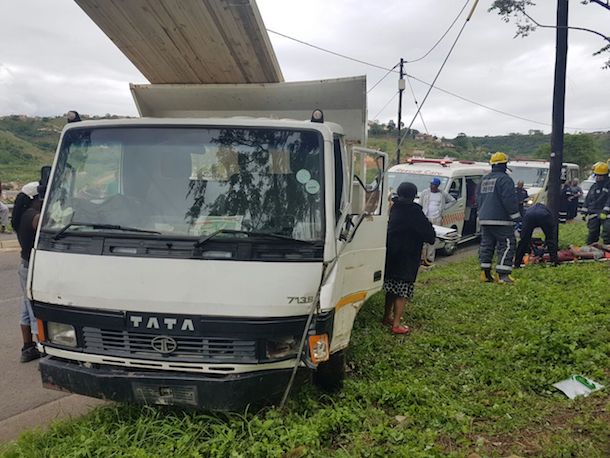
(408,229)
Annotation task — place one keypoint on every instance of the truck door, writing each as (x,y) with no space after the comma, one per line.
(361,242)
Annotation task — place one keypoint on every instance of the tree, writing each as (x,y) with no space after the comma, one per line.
(517,10)
(391,126)
(580,149)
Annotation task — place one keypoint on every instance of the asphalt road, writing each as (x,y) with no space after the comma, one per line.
(20,387)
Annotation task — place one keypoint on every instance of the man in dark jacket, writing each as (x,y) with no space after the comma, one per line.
(522,196)
(408,229)
(498,213)
(537,216)
(597,205)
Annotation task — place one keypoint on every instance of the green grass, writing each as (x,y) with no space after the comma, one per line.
(474,377)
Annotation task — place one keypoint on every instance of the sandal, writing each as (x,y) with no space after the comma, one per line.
(401,330)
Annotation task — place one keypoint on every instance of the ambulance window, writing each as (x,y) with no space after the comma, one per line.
(455,189)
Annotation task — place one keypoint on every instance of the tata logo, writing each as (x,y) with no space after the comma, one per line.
(170,324)
(164,344)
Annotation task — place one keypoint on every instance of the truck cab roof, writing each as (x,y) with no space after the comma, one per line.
(235,121)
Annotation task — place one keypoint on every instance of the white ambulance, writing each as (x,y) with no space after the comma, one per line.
(459,178)
(535,177)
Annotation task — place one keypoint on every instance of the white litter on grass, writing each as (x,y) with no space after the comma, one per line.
(577,385)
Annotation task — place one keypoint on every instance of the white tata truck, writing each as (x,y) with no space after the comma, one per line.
(200,255)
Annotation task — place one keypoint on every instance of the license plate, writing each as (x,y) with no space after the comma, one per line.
(165,395)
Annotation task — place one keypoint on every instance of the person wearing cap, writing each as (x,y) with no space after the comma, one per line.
(434,202)
(498,213)
(26,214)
(597,205)
(408,229)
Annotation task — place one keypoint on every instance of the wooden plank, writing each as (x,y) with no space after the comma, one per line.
(189,41)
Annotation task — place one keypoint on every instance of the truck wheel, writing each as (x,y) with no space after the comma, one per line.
(330,374)
(449,248)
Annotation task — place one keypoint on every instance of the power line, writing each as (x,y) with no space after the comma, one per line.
(330,52)
(440,70)
(416,104)
(443,36)
(382,78)
(386,105)
(453,94)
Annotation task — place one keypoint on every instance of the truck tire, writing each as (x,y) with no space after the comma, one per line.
(329,375)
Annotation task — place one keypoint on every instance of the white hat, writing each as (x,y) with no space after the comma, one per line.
(31,189)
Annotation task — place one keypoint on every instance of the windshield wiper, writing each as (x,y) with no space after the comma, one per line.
(114,227)
(202,240)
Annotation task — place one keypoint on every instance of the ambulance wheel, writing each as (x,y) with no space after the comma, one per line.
(449,248)
(330,374)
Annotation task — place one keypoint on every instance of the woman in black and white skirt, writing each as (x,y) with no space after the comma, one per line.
(408,229)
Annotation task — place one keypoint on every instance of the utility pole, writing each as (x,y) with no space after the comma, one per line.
(401,88)
(559,97)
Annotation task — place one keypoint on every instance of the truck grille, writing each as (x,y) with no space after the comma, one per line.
(189,348)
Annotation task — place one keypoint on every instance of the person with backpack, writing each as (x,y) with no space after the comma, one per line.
(498,213)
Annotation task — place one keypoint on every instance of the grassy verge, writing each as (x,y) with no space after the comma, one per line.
(474,377)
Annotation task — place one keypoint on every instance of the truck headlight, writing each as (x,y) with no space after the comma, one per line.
(61,334)
(281,347)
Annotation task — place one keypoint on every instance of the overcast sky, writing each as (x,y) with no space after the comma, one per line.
(54,58)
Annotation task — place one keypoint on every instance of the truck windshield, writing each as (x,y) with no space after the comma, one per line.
(531,176)
(422,181)
(188,181)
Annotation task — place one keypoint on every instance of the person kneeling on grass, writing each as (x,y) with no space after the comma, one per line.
(408,229)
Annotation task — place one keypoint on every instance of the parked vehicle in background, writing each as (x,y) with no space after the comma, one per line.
(585,185)
(459,178)
(535,176)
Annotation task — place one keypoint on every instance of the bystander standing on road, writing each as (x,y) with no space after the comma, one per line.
(434,202)
(498,213)
(25,223)
(537,216)
(597,205)
(522,196)
(4,213)
(408,229)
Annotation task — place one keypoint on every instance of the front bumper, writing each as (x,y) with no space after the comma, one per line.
(232,392)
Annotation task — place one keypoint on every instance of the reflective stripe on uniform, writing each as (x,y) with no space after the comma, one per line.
(496,222)
(505,253)
(515,215)
(486,265)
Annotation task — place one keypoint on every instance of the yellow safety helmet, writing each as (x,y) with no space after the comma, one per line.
(498,158)
(601,168)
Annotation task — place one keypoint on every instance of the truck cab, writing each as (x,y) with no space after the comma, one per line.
(199,262)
